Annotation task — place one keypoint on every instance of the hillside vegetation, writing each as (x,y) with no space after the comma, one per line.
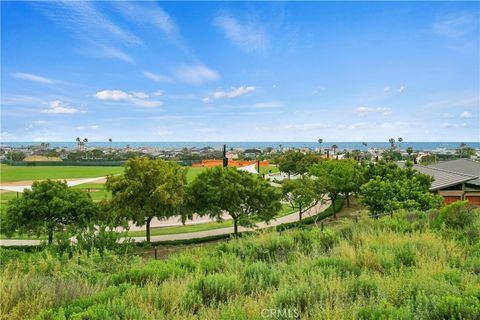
(415,265)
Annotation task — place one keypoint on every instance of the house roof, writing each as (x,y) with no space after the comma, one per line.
(443,178)
(463,166)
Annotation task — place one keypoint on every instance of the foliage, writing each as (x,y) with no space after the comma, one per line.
(15,156)
(245,197)
(377,270)
(148,189)
(336,177)
(299,193)
(49,207)
(390,188)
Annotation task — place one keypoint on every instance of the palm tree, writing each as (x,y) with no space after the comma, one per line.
(400,142)
(334,148)
(320,141)
(365,144)
(392,143)
(409,151)
(85,141)
(78,142)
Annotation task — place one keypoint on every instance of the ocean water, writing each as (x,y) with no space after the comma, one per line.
(257,144)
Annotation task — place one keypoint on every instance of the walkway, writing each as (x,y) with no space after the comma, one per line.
(201,234)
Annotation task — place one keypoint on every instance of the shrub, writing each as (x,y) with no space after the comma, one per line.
(298,298)
(364,287)
(452,307)
(327,240)
(405,256)
(260,276)
(384,311)
(154,270)
(337,266)
(215,288)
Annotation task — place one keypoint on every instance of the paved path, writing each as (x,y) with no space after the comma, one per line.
(201,234)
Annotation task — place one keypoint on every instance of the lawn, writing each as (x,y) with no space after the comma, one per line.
(286,209)
(25,173)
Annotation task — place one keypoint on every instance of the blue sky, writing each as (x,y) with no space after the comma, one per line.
(258,71)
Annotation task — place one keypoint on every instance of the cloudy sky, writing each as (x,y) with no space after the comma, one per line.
(177,71)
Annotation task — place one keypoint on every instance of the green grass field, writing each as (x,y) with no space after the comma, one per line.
(21,173)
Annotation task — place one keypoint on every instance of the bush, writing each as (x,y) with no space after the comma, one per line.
(335,265)
(215,288)
(452,307)
(456,215)
(156,271)
(405,256)
(298,297)
(384,311)
(364,287)
(260,276)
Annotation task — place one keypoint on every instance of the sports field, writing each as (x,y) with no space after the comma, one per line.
(23,173)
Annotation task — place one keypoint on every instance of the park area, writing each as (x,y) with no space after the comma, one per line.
(25,175)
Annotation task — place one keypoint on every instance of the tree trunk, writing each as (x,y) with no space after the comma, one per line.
(235,227)
(148,229)
(50,236)
(333,208)
(348,200)
(300,213)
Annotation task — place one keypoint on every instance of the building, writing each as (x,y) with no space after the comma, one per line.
(455,180)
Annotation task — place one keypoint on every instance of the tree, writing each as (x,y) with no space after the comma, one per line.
(400,139)
(334,149)
(288,162)
(148,189)
(320,141)
(337,177)
(391,188)
(49,207)
(464,151)
(78,142)
(392,143)
(245,197)
(409,151)
(299,193)
(15,156)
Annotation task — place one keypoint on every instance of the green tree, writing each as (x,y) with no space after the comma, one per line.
(299,193)
(392,143)
(245,197)
(337,177)
(391,188)
(288,162)
(148,189)
(15,156)
(464,151)
(409,151)
(49,207)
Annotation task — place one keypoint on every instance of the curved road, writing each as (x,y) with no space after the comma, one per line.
(201,234)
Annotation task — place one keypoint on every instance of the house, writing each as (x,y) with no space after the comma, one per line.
(455,180)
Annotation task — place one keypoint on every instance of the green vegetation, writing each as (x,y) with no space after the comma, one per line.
(241,195)
(25,173)
(286,210)
(416,265)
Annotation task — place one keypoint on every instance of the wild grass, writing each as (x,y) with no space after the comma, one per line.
(373,269)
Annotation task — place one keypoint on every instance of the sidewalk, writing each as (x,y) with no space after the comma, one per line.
(201,234)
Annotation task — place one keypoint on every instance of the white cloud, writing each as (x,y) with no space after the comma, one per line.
(386,89)
(115,95)
(247,35)
(307,126)
(206,130)
(157,93)
(399,124)
(164,132)
(157,77)
(268,105)
(32,77)
(401,89)
(86,22)
(58,107)
(196,74)
(137,98)
(447,115)
(274,86)
(141,95)
(454,27)
(318,90)
(364,111)
(80,127)
(94,127)
(453,125)
(207,100)
(233,92)
(465,114)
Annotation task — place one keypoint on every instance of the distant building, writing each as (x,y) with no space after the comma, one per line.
(455,180)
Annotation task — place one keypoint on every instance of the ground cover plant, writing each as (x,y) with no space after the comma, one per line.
(414,265)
